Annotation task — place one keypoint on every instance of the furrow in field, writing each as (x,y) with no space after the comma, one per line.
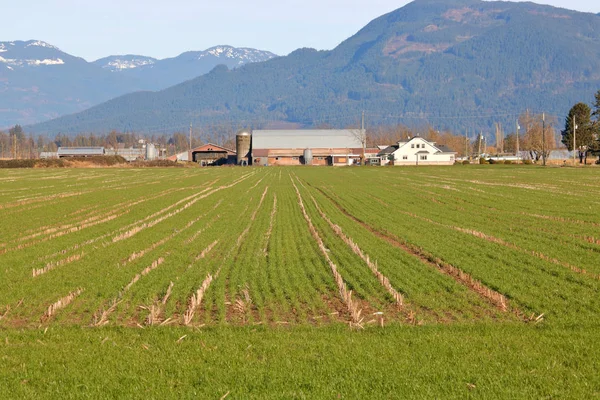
(41,199)
(233,305)
(164,240)
(101,316)
(156,309)
(112,213)
(504,243)
(352,306)
(194,199)
(495,298)
(383,280)
(271,223)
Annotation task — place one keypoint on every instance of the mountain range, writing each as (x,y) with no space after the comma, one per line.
(38,81)
(457,64)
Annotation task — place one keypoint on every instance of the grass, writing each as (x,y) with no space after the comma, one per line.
(180,283)
(479,361)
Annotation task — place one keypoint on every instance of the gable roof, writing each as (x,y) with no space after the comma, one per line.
(388,150)
(306,139)
(212,147)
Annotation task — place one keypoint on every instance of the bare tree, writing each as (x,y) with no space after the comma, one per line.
(540,137)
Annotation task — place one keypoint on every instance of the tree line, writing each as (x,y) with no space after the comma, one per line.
(535,134)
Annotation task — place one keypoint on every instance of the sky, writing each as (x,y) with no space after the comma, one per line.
(94,29)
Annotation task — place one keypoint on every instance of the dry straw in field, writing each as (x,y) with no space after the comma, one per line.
(196,299)
(60,304)
(345,294)
(50,266)
(383,280)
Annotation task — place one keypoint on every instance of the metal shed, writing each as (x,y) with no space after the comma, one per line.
(80,152)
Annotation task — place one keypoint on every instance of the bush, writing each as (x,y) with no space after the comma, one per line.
(483,161)
(100,160)
(527,162)
(17,163)
(508,162)
(156,163)
(466,162)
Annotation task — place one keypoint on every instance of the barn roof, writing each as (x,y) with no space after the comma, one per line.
(306,139)
(80,151)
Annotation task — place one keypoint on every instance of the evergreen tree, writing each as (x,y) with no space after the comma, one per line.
(579,117)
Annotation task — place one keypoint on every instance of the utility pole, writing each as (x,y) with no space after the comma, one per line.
(544,139)
(574,139)
(190,136)
(466,144)
(518,152)
(484,144)
(363,137)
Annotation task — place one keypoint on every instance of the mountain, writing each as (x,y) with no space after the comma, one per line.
(458,64)
(39,82)
(160,74)
(125,63)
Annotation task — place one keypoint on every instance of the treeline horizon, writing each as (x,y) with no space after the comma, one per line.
(16,143)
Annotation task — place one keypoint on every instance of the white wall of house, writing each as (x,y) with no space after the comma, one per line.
(419,151)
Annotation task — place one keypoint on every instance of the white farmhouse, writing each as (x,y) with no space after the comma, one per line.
(417,151)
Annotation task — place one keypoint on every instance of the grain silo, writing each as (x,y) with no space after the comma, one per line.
(243,140)
(308,157)
(151,152)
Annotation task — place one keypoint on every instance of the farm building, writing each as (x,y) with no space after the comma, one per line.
(305,147)
(212,154)
(183,156)
(64,152)
(129,154)
(417,151)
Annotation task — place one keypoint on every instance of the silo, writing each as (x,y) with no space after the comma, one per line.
(243,141)
(308,157)
(151,153)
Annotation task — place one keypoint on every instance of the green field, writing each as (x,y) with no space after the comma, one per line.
(442,282)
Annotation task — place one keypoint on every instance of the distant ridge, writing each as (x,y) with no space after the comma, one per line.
(38,81)
(160,74)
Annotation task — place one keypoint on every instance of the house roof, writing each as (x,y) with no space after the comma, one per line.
(388,150)
(212,147)
(445,149)
(306,139)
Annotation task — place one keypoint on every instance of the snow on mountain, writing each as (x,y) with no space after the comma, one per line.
(126,62)
(19,63)
(64,84)
(31,53)
(39,43)
(244,55)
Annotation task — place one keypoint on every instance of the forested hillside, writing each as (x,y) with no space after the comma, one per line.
(460,64)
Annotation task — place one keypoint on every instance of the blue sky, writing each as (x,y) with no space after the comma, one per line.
(93,29)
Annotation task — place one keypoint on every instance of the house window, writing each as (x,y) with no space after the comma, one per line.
(294,158)
(405,157)
(276,158)
(423,158)
(412,146)
(320,158)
